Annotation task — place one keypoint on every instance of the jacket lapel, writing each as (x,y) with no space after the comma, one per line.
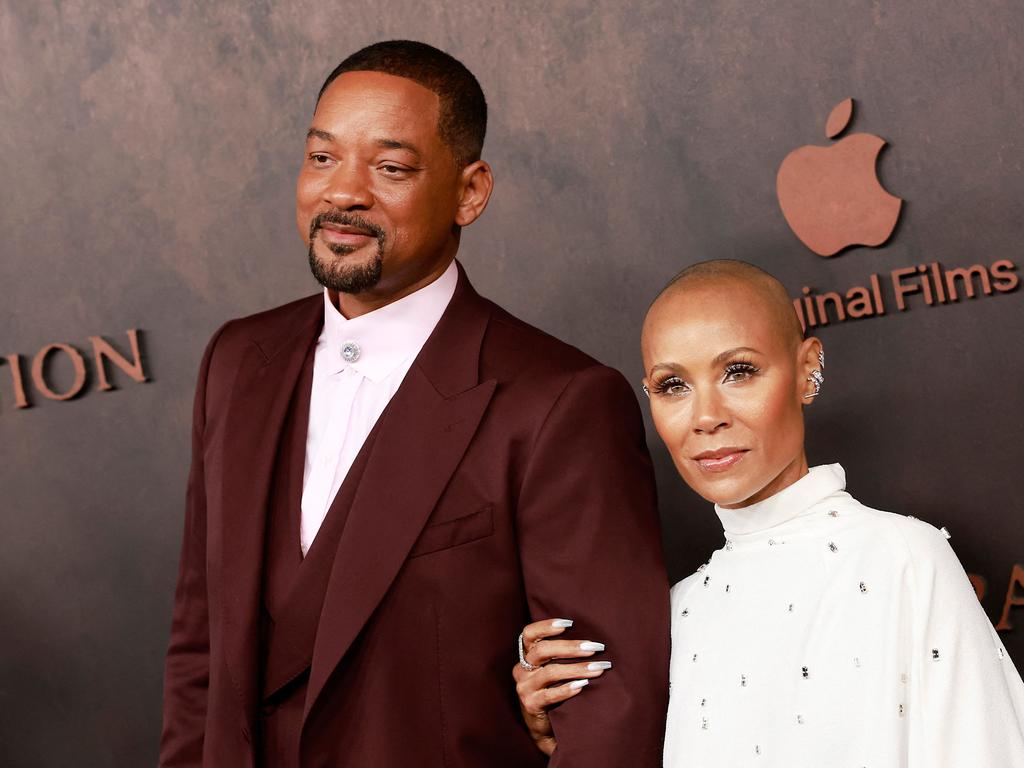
(424,433)
(266,380)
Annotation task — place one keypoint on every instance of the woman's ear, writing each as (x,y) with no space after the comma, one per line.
(810,369)
(475,185)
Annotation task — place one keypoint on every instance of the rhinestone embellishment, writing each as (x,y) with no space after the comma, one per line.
(832,546)
(863,587)
(945,533)
(799,719)
(805,672)
(743,681)
(833,513)
(935,654)
(350,352)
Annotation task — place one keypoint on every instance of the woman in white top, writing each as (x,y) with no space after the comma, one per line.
(823,633)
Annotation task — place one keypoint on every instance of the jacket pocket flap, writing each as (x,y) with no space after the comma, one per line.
(451,533)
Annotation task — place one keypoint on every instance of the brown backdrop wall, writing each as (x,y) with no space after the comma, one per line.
(147,160)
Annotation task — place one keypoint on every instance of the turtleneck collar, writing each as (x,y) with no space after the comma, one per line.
(791,501)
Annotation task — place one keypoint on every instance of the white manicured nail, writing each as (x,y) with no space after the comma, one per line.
(596,665)
(575,685)
(561,623)
(587,645)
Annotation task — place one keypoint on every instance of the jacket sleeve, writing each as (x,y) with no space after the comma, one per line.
(590,545)
(186,670)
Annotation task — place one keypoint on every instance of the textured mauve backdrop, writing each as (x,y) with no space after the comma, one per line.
(147,159)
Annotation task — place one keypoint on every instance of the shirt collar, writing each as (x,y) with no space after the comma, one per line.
(388,336)
(791,501)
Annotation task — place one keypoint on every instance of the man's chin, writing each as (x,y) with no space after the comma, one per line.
(345,270)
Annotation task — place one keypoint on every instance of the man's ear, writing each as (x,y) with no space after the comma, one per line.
(810,366)
(475,185)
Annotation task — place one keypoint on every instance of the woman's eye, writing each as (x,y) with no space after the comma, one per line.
(319,158)
(671,386)
(739,372)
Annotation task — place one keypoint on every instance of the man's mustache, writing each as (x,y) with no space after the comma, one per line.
(344,219)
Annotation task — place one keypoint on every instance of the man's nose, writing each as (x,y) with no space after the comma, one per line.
(709,411)
(349,188)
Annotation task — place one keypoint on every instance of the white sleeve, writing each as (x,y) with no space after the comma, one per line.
(966,699)
(671,757)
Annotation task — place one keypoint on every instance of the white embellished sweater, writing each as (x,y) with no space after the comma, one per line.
(826,634)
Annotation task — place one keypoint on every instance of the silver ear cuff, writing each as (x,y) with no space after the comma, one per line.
(817,378)
(645,389)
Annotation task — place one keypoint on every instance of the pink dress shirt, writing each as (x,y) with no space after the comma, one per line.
(359,365)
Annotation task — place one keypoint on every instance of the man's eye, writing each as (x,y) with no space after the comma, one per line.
(393,170)
(319,158)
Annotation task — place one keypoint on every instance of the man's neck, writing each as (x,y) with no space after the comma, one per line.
(352,305)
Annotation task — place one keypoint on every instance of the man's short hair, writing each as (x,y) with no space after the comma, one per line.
(462,119)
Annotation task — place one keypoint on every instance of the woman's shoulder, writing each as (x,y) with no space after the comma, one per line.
(920,542)
(681,588)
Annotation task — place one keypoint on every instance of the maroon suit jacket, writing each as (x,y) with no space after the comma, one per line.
(509,481)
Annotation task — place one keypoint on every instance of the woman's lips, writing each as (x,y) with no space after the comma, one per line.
(720,460)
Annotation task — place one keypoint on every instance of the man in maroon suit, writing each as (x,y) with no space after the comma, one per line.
(392,477)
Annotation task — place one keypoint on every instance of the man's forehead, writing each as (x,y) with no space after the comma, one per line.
(380,110)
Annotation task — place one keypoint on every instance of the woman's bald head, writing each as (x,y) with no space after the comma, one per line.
(739,276)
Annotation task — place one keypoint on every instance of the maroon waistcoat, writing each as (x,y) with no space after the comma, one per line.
(294,587)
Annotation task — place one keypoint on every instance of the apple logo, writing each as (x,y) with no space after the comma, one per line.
(831,196)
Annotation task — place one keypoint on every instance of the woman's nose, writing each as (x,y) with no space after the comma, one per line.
(709,412)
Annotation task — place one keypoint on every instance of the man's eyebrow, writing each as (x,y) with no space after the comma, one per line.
(721,358)
(316,133)
(396,144)
(384,143)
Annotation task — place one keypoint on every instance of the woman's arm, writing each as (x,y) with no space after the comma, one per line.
(967,699)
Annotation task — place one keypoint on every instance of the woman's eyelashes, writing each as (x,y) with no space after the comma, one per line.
(672,385)
(733,372)
(740,370)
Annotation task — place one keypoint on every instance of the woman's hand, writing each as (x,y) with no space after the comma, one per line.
(552,683)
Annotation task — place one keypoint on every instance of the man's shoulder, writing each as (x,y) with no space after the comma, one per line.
(266,324)
(513,345)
